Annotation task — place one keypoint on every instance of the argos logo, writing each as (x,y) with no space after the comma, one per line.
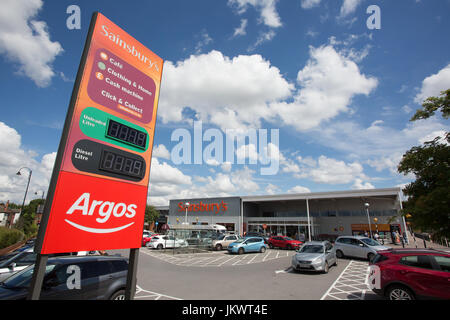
(103,209)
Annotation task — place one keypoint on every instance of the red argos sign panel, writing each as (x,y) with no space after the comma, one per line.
(95,215)
(98,190)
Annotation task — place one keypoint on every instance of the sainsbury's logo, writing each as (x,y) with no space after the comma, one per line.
(104,210)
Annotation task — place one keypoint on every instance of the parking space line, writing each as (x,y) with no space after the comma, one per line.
(227,260)
(351,283)
(256,255)
(214,260)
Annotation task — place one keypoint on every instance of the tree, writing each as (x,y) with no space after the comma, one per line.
(428,200)
(151,214)
(26,221)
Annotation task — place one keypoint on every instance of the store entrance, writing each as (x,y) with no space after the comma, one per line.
(294,231)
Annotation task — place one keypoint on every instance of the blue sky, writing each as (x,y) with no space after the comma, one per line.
(339,94)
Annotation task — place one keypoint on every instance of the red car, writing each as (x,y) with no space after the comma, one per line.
(408,274)
(284,242)
(147,239)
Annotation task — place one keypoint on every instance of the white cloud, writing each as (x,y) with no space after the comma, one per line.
(299,189)
(26,41)
(308,4)
(361,186)
(323,94)
(240,31)
(247,152)
(161,172)
(272,189)
(434,84)
(160,151)
(268,12)
(228,92)
(226,166)
(332,171)
(433,135)
(15,157)
(348,7)
(263,37)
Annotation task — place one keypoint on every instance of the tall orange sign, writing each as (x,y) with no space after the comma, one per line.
(98,191)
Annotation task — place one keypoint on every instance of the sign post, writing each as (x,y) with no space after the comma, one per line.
(98,190)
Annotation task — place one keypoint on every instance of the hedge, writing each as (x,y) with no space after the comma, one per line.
(9,237)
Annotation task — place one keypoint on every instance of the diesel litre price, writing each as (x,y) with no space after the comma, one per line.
(115,163)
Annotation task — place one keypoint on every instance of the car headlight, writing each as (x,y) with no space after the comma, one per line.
(317,261)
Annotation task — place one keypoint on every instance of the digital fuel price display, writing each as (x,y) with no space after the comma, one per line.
(126,134)
(122,165)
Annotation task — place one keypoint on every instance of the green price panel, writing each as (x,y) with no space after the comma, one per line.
(105,127)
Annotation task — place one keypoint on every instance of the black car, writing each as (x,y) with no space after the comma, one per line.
(73,278)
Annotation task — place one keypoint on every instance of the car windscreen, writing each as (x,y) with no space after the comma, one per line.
(22,278)
(370,242)
(221,237)
(312,249)
(14,258)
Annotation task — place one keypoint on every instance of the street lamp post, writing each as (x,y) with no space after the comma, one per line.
(26,190)
(368,218)
(185,217)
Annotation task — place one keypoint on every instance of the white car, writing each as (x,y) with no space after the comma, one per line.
(162,242)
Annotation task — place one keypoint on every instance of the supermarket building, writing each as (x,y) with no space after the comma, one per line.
(320,213)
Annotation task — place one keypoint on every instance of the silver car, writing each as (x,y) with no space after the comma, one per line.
(315,256)
(357,246)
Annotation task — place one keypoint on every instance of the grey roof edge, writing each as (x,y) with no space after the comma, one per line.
(324,195)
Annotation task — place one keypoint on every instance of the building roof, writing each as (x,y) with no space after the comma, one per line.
(387,192)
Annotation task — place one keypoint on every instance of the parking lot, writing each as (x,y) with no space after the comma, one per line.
(253,276)
(216,258)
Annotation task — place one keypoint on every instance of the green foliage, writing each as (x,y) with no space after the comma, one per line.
(26,221)
(429,195)
(151,214)
(433,104)
(9,237)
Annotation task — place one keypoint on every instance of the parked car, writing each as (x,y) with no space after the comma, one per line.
(250,244)
(146,239)
(20,260)
(101,278)
(223,241)
(408,274)
(315,256)
(16,262)
(357,246)
(284,242)
(162,242)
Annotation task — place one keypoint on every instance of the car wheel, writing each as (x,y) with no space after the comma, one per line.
(241,251)
(326,268)
(399,293)
(219,247)
(288,247)
(263,249)
(339,254)
(118,295)
(370,256)
(159,247)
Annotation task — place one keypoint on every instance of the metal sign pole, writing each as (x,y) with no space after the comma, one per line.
(38,277)
(132,273)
